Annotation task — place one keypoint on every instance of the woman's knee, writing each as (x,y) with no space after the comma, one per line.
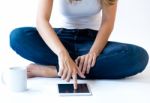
(139,57)
(17,36)
(129,61)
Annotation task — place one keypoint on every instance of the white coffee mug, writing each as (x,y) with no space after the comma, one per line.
(15,78)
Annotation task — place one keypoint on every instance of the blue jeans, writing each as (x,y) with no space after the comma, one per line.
(117,60)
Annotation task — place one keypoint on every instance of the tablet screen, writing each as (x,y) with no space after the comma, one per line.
(68,89)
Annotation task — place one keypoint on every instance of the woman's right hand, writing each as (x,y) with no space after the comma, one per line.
(68,68)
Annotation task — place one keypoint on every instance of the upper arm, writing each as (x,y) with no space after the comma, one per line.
(44,10)
(109,13)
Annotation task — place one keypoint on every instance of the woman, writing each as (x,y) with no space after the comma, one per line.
(78,45)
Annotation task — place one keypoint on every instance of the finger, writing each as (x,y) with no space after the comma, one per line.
(64,75)
(93,60)
(65,71)
(80,73)
(74,76)
(69,73)
(85,64)
(68,76)
(89,64)
(81,63)
(61,69)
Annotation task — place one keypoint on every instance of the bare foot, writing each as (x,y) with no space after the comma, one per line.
(36,70)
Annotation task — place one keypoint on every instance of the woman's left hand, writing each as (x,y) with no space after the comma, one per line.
(86,62)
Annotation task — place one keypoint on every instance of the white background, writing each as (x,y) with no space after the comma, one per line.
(132,26)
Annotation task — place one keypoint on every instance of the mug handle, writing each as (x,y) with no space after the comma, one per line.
(2,78)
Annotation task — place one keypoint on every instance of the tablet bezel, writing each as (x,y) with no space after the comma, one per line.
(75,94)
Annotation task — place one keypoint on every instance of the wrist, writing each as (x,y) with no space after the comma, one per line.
(62,54)
(94,52)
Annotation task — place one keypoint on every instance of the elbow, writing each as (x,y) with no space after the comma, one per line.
(110,26)
(40,22)
(108,23)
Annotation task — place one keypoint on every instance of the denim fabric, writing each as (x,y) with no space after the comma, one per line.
(117,60)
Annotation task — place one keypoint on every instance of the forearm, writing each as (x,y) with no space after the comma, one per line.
(102,38)
(108,19)
(50,37)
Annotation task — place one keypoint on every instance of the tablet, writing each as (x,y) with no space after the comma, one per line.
(68,90)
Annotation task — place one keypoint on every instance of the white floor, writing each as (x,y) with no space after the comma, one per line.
(132,26)
(44,90)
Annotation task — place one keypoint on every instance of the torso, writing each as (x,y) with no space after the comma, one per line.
(79,15)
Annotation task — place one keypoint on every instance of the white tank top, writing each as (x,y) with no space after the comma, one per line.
(79,15)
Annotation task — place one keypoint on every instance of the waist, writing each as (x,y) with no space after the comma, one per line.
(82,33)
(91,22)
